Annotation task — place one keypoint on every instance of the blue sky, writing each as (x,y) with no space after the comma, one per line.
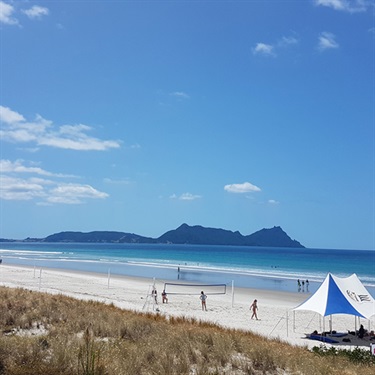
(138,116)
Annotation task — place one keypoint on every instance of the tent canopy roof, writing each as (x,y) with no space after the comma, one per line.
(341,296)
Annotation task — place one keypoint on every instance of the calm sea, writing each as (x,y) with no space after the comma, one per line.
(252,267)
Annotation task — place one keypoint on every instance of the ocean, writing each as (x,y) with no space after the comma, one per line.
(250,267)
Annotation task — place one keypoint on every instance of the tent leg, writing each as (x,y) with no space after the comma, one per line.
(320,323)
(330,323)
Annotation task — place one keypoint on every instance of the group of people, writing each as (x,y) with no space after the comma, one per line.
(303,283)
(164,296)
(203,298)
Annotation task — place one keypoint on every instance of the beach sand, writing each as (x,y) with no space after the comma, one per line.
(230,310)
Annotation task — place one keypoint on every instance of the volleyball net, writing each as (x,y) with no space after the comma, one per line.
(194,289)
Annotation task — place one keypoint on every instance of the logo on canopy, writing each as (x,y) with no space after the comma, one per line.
(358,297)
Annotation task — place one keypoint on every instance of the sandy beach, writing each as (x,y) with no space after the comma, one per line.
(275,309)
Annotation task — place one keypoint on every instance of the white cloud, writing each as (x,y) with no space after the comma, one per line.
(273,202)
(327,41)
(74,194)
(351,6)
(264,49)
(42,190)
(46,191)
(117,182)
(6,14)
(7,166)
(12,188)
(189,197)
(42,132)
(286,41)
(10,117)
(36,12)
(246,187)
(186,197)
(180,95)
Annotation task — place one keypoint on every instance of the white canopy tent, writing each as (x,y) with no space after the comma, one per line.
(341,296)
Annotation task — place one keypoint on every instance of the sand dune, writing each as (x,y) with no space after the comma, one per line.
(275,309)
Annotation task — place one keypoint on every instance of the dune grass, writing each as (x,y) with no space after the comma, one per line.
(47,334)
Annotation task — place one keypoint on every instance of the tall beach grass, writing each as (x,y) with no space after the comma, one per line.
(46,334)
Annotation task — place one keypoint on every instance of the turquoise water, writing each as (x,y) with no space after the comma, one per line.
(258,267)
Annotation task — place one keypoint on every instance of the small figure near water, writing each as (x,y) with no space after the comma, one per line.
(203,298)
(254,308)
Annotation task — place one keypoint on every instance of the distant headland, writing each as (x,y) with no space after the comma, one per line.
(184,234)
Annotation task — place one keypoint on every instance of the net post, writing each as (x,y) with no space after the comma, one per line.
(232,293)
(40,278)
(152,294)
(109,276)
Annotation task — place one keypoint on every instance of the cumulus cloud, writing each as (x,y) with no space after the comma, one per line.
(36,12)
(284,42)
(327,41)
(8,11)
(246,187)
(186,197)
(6,14)
(46,191)
(9,117)
(263,49)
(12,188)
(351,6)
(41,185)
(42,132)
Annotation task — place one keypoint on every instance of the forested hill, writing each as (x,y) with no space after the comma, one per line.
(185,234)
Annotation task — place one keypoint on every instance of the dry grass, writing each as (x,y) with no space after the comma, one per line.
(48,334)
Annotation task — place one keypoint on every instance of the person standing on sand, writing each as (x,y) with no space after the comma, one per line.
(203,298)
(254,308)
(154,293)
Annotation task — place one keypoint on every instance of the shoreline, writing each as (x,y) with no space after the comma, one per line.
(188,274)
(204,264)
(276,317)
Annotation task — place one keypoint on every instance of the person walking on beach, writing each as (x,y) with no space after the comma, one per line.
(254,308)
(203,298)
(154,293)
